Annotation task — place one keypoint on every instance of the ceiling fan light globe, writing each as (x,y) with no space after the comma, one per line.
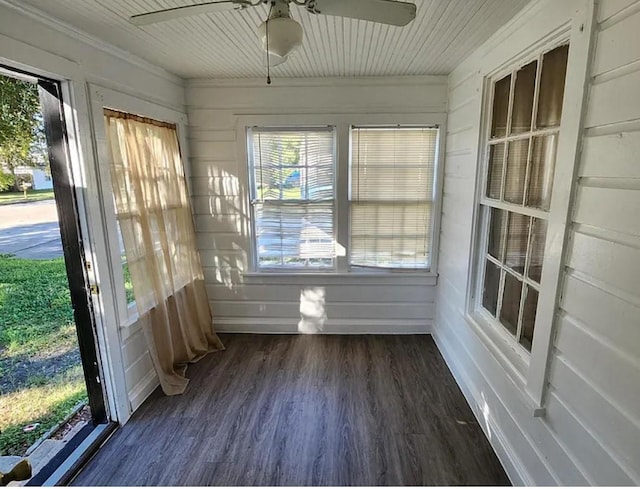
(285,36)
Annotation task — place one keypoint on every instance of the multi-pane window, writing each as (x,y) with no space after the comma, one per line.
(515,206)
(391,196)
(292,195)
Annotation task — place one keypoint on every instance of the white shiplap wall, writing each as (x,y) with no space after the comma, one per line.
(218,112)
(41,44)
(590,433)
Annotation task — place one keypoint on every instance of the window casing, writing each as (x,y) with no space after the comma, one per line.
(520,160)
(418,235)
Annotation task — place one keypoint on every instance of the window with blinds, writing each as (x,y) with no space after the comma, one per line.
(391,196)
(292,173)
(516,201)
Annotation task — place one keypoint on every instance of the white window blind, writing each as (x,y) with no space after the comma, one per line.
(391,197)
(292,188)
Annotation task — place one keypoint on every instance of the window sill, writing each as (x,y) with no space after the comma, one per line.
(343,278)
(514,362)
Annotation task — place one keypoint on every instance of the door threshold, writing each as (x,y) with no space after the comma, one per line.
(64,466)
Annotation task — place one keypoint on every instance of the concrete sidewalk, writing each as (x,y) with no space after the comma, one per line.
(30,230)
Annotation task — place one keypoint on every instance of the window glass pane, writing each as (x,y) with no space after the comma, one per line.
(491,287)
(390,235)
(293,165)
(543,159)
(523,98)
(511,303)
(538,237)
(292,194)
(500,107)
(494,179)
(528,317)
(516,170)
(497,231)
(554,70)
(292,235)
(391,192)
(517,238)
(391,183)
(402,252)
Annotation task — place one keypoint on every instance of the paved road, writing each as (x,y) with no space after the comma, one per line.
(30,230)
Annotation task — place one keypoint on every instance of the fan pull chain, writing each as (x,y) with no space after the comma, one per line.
(267,32)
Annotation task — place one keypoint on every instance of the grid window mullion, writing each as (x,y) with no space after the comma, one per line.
(523,294)
(503,183)
(536,95)
(503,276)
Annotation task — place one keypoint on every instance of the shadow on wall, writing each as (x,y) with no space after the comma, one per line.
(222,222)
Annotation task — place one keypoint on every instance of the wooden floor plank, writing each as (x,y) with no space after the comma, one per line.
(301,410)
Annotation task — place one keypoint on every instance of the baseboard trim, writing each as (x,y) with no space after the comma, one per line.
(294,326)
(512,466)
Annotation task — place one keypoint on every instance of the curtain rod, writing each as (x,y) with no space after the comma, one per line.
(116,114)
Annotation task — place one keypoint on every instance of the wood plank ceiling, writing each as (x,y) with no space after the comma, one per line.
(225,45)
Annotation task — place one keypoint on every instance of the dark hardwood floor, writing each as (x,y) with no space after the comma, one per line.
(305,410)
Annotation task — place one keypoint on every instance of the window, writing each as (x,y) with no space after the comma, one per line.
(369,209)
(292,195)
(391,196)
(515,205)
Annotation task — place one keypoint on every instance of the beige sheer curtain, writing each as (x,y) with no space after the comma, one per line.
(155,220)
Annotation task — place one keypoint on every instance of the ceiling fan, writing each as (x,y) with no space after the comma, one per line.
(280,34)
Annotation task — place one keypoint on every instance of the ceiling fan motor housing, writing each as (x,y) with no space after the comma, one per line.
(284,34)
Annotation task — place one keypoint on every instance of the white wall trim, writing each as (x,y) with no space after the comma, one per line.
(558,227)
(423,80)
(339,326)
(90,40)
(387,279)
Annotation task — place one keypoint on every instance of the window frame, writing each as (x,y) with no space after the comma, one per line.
(486,204)
(435,196)
(343,124)
(530,371)
(255,260)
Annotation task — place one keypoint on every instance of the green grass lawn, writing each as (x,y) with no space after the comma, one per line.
(32,196)
(41,379)
(128,285)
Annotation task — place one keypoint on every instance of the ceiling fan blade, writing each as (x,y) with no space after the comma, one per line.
(186,11)
(383,11)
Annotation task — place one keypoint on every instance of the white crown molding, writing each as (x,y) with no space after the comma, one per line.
(90,40)
(418,80)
